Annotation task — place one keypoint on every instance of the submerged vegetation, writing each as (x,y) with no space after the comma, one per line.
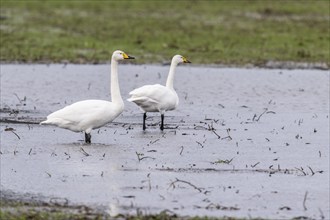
(211,32)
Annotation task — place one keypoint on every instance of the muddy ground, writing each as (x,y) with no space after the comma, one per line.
(242,143)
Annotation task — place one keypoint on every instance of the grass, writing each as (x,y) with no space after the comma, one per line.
(223,161)
(206,32)
(43,215)
(13,210)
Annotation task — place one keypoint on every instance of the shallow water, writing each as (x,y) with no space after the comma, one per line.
(242,143)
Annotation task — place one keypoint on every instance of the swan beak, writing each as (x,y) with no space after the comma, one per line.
(127,56)
(185,60)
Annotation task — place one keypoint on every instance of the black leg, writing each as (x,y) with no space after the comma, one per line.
(88,138)
(144,120)
(162,122)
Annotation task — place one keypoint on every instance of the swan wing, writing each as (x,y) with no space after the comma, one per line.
(84,115)
(154,98)
(151,91)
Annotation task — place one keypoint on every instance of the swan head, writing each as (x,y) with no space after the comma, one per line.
(179,59)
(120,55)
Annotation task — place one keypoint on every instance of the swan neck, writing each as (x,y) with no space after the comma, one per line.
(114,86)
(170,78)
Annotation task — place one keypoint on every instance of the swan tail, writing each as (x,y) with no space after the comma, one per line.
(43,123)
(55,121)
(49,122)
(135,98)
(130,99)
(138,100)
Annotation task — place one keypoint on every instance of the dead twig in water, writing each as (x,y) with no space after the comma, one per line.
(141,158)
(49,175)
(148,181)
(304,202)
(200,144)
(12,130)
(258,118)
(228,137)
(152,142)
(253,166)
(216,134)
(210,127)
(19,99)
(84,152)
(311,170)
(186,182)
(302,170)
(181,150)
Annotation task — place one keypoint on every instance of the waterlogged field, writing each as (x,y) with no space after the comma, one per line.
(244,143)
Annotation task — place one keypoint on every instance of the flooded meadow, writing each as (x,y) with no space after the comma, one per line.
(243,143)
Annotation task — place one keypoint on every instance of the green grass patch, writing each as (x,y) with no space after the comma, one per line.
(226,161)
(37,210)
(206,32)
(14,210)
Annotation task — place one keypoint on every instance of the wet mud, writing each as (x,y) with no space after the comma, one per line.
(242,143)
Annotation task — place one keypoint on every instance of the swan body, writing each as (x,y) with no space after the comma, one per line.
(92,114)
(85,115)
(155,98)
(158,98)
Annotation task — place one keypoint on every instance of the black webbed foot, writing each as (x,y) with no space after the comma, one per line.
(88,138)
(162,122)
(144,121)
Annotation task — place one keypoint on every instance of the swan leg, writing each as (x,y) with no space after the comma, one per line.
(88,137)
(144,120)
(162,122)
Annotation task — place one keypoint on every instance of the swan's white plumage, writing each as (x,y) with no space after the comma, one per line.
(155,98)
(92,114)
(85,115)
(158,98)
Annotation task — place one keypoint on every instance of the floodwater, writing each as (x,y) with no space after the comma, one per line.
(242,143)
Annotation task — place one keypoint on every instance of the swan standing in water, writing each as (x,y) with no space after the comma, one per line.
(92,114)
(158,98)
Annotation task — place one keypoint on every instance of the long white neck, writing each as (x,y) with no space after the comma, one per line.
(115,91)
(170,78)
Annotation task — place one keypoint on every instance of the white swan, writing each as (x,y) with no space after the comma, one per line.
(158,98)
(92,114)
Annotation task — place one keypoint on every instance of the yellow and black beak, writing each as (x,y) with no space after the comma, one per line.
(127,56)
(185,60)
